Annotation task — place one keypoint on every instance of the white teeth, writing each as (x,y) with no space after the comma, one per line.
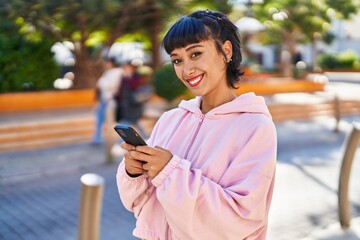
(195,81)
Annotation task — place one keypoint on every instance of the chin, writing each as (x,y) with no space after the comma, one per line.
(195,92)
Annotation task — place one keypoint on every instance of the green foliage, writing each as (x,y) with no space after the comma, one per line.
(301,18)
(216,5)
(90,21)
(94,25)
(347,59)
(328,37)
(327,60)
(347,7)
(24,64)
(136,37)
(166,83)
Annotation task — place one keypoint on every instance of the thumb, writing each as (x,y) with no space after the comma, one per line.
(161,148)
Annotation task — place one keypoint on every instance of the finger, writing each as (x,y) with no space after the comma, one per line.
(146,149)
(128,157)
(161,148)
(133,163)
(150,171)
(134,171)
(140,156)
(147,167)
(164,152)
(127,146)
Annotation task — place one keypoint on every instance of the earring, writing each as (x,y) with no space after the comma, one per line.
(229,60)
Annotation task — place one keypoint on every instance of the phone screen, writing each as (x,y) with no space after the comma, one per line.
(129,135)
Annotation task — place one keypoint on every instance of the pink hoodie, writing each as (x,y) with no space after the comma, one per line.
(219,183)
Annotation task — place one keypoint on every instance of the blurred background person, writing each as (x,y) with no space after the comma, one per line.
(132,95)
(107,86)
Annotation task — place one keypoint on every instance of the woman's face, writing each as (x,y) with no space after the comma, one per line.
(201,68)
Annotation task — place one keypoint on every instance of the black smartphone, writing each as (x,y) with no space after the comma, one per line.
(129,135)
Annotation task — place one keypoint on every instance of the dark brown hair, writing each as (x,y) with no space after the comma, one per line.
(205,25)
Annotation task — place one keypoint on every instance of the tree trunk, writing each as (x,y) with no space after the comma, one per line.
(155,26)
(155,47)
(86,71)
(85,76)
(287,54)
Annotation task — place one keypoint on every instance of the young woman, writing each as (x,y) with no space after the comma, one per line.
(208,170)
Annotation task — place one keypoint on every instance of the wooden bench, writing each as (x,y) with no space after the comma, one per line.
(298,110)
(15,102)
(31,101)
(270,87)
(25,101)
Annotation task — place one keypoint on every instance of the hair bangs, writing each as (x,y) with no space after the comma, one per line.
(186,31)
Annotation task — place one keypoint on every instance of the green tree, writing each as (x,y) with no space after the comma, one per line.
(289,22)
(25,64)
(79,21)
(82,21)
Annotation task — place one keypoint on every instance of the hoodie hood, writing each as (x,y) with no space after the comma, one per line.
(245,103)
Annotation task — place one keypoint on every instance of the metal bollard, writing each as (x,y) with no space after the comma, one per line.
(337,112)
(343,195)
(92,188)
(109,134)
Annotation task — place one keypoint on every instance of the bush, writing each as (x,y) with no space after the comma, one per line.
(166,83)
(347,59)
(328,60)
(24,64)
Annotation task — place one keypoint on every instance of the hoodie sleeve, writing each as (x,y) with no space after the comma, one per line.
(134,192)
(199,208)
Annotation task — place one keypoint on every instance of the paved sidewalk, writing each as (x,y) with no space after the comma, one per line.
(334,232)
(305,197)
(40,189)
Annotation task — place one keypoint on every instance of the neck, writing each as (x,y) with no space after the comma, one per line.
(207,104)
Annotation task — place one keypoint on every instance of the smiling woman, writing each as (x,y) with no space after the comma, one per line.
(201,26)
(203,70)
(207,171)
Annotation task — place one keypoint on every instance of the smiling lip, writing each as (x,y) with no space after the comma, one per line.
(193,82)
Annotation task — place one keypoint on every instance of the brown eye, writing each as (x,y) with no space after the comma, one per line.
(195,54)
(175,61)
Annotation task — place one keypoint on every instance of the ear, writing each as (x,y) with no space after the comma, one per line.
(227,48)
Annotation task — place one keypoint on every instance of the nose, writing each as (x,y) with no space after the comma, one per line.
(188,68)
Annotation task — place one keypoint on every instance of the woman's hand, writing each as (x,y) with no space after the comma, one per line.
(132,166)
(153,160)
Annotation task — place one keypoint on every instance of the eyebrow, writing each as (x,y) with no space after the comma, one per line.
(188,49)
